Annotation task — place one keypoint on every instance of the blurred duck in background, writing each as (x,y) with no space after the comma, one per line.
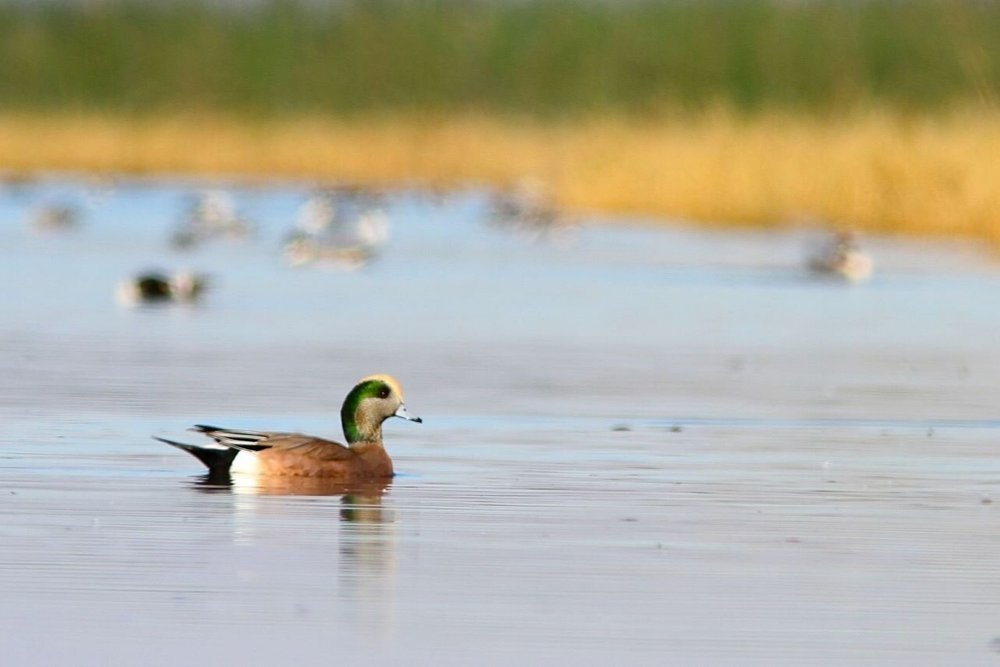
(316,214)
(55,217)
(211,214)
(151,287)
(342,228)
(527,210)
(843,257)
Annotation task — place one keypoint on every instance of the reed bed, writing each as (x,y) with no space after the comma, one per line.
(873,170)
(879,115)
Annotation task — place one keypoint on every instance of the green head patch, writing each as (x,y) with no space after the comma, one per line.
(374,387)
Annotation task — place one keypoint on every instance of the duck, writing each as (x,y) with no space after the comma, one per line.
(345,232)
(373,400)
(159,287)
(844,258)
(303,249)
(211,214)
(317,213)
(56,217)
(530,213)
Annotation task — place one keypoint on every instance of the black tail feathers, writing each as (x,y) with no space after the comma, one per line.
(218,461)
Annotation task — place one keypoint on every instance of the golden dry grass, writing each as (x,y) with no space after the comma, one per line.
(870,170)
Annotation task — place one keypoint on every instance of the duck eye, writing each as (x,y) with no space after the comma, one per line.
(383,392)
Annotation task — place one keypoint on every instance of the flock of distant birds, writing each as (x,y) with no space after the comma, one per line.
(346,228)
(341,227)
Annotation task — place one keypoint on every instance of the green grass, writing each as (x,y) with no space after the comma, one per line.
(552,58)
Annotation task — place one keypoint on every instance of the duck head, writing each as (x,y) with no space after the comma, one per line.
(373,400)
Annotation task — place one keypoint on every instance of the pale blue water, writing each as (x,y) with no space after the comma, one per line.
(642,445)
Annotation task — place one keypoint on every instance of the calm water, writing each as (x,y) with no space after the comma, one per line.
(641,446)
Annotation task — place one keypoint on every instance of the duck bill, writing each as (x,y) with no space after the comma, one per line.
(402,413)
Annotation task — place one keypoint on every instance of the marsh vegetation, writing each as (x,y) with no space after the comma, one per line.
(877,115)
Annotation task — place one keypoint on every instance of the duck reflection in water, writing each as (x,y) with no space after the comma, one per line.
(367,572)
(354,495)
(366,541)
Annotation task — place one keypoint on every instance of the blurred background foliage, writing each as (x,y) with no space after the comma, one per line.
(553,58)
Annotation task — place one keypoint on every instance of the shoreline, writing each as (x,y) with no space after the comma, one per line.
(874,171)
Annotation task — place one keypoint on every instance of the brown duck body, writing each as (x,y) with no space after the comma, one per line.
(373,400)
(327,459)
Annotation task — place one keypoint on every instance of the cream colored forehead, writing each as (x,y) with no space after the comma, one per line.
(389,380)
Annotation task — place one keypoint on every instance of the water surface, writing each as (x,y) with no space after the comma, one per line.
(642,445)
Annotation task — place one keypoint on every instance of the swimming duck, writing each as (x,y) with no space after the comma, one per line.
(529,212)
(57,217)
(372,400)
(317,214)
(346,232)
(158,287)
(302,249)
(843,257)
(211,214)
